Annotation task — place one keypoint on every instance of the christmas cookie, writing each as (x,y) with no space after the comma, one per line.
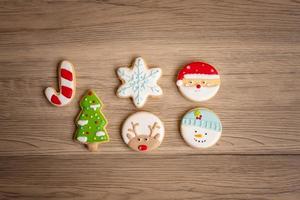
(201,128)
(198,81)
(143,131)
(139,82)
(67,85)
(91,122)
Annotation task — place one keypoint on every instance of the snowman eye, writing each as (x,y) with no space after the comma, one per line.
(195,131)
(205,133)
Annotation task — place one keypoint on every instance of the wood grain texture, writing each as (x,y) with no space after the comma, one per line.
(255,45)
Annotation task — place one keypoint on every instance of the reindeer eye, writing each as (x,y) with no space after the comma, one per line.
(146,139)
(139,139)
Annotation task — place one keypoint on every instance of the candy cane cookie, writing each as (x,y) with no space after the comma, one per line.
(67,86)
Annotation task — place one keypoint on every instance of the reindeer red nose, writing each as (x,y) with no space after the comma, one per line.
(142,147)
(198,86)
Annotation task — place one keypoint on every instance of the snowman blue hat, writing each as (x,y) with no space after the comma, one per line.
(202,117)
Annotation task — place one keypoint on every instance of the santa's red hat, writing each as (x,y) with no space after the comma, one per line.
(197,70)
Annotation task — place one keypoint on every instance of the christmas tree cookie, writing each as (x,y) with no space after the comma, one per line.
(91,122)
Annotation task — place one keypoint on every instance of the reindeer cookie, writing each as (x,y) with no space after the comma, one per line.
(143,131)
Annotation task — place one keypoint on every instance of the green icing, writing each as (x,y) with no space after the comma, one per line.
(91,122)
(197,112)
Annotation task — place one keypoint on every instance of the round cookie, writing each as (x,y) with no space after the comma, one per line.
(198,81)
(143,131)
(201,128)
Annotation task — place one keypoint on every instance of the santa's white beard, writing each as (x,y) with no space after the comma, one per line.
(201,94)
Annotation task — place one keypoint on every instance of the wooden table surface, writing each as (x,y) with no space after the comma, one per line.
(255,45)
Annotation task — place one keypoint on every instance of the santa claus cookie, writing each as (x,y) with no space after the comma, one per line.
(67,85)
(143,131)
(201,128)
(139,82)
(198,81)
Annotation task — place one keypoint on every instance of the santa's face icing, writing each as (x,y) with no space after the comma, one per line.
(198,81)
(198,92)
(199,137)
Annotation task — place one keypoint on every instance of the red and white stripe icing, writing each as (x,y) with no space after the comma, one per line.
(67,86)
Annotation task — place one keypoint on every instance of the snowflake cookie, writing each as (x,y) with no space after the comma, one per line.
(139,82)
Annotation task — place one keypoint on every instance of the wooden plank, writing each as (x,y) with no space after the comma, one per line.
(138,176)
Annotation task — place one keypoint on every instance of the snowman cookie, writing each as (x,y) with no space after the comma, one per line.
(139,82)
(143,131)
(198,81)
(201,128)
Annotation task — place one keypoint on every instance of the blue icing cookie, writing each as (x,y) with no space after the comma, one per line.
(201,128)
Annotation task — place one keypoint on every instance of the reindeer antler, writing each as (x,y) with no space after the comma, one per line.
(152,128)
(133,129)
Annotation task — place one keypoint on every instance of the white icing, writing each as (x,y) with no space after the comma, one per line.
(64,100)
(95,106)
(100,133)
(67,65)
(207,139)
(144,119)
(67,83)
(82,139)
(49,92)
(82,122)
(139,82)
(201,76)
(201,94)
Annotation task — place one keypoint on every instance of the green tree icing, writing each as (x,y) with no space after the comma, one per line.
(91,122)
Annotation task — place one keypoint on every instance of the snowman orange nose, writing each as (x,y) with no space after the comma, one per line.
(198,135)
(198,86)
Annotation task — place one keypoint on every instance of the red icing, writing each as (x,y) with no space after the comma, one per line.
(55,100)
(66,91)
(142,147)
(197,68)
(66,74)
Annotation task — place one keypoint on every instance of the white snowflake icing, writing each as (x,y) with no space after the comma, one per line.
(139,82)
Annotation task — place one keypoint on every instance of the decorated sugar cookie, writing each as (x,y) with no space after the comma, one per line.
(139,82)
(143,131)
(201,128)
(67,86)
(198,81)
(91,122)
